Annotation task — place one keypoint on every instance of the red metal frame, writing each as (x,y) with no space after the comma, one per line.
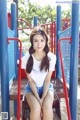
(53,37)
(51,30)
(46,27)
(19,77)
(63,76)
(9,20)
(66,23)
(22,20)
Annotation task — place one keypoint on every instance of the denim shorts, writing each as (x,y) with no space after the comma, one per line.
(39,89)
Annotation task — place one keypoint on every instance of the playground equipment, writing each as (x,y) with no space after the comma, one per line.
(9,50)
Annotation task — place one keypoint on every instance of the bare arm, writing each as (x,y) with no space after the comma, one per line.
(46,84)
(33,87)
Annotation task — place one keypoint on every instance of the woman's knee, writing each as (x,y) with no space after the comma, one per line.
(47,107)
(33,103)
(35,108)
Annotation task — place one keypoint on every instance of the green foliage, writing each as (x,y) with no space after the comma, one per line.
(27,10)
(66,14)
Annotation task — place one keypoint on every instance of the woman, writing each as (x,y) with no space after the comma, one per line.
(39,64)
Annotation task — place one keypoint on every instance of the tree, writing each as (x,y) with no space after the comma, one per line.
(28,10)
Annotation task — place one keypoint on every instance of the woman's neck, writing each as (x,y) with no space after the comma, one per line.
(39,55)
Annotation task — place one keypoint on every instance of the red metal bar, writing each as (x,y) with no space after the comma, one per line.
(63,76)
(54,36)
(26,24)
(46,27)
(51,37)
(9,20)
(19,77)
(23,28)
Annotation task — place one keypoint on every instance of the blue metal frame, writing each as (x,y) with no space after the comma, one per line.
(73,56)
(35,20)
(74,60)
(4,57)
(14,27)
(65,49)
(58,29)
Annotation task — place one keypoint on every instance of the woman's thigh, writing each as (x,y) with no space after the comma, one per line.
(32,101)
(48,101)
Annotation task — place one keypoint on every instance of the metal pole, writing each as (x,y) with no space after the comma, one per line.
(16,1)
(4,57)
(35,20)
(14,27)
(58,29)
(74,60)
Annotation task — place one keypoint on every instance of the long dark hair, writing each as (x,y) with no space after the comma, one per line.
(45,62)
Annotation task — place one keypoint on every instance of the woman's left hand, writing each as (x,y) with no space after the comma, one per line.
(41,101)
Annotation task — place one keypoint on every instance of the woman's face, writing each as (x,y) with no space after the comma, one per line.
(39,42)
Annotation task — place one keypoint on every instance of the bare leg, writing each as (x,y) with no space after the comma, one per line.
(34,106)
(47,106)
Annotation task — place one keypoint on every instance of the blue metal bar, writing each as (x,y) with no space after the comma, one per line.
(74,60)
(16,1)
(14,27)
(4,57)
(35,20)
(13,17)
(58,29)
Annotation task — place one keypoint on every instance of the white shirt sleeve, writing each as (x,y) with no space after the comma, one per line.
(24,60)
(52,62)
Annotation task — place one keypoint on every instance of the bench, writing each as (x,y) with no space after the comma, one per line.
(14,89)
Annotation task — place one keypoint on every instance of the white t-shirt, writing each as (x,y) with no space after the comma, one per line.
(37,75)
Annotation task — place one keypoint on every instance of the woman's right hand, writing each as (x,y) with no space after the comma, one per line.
(40,101)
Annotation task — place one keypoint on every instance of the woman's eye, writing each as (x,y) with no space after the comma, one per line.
(42,40)
(35,40)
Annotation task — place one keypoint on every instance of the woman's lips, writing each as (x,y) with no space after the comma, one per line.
(39,47)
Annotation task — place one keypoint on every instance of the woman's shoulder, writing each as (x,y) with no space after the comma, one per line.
(24,60)
(51,55)
(27,55)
